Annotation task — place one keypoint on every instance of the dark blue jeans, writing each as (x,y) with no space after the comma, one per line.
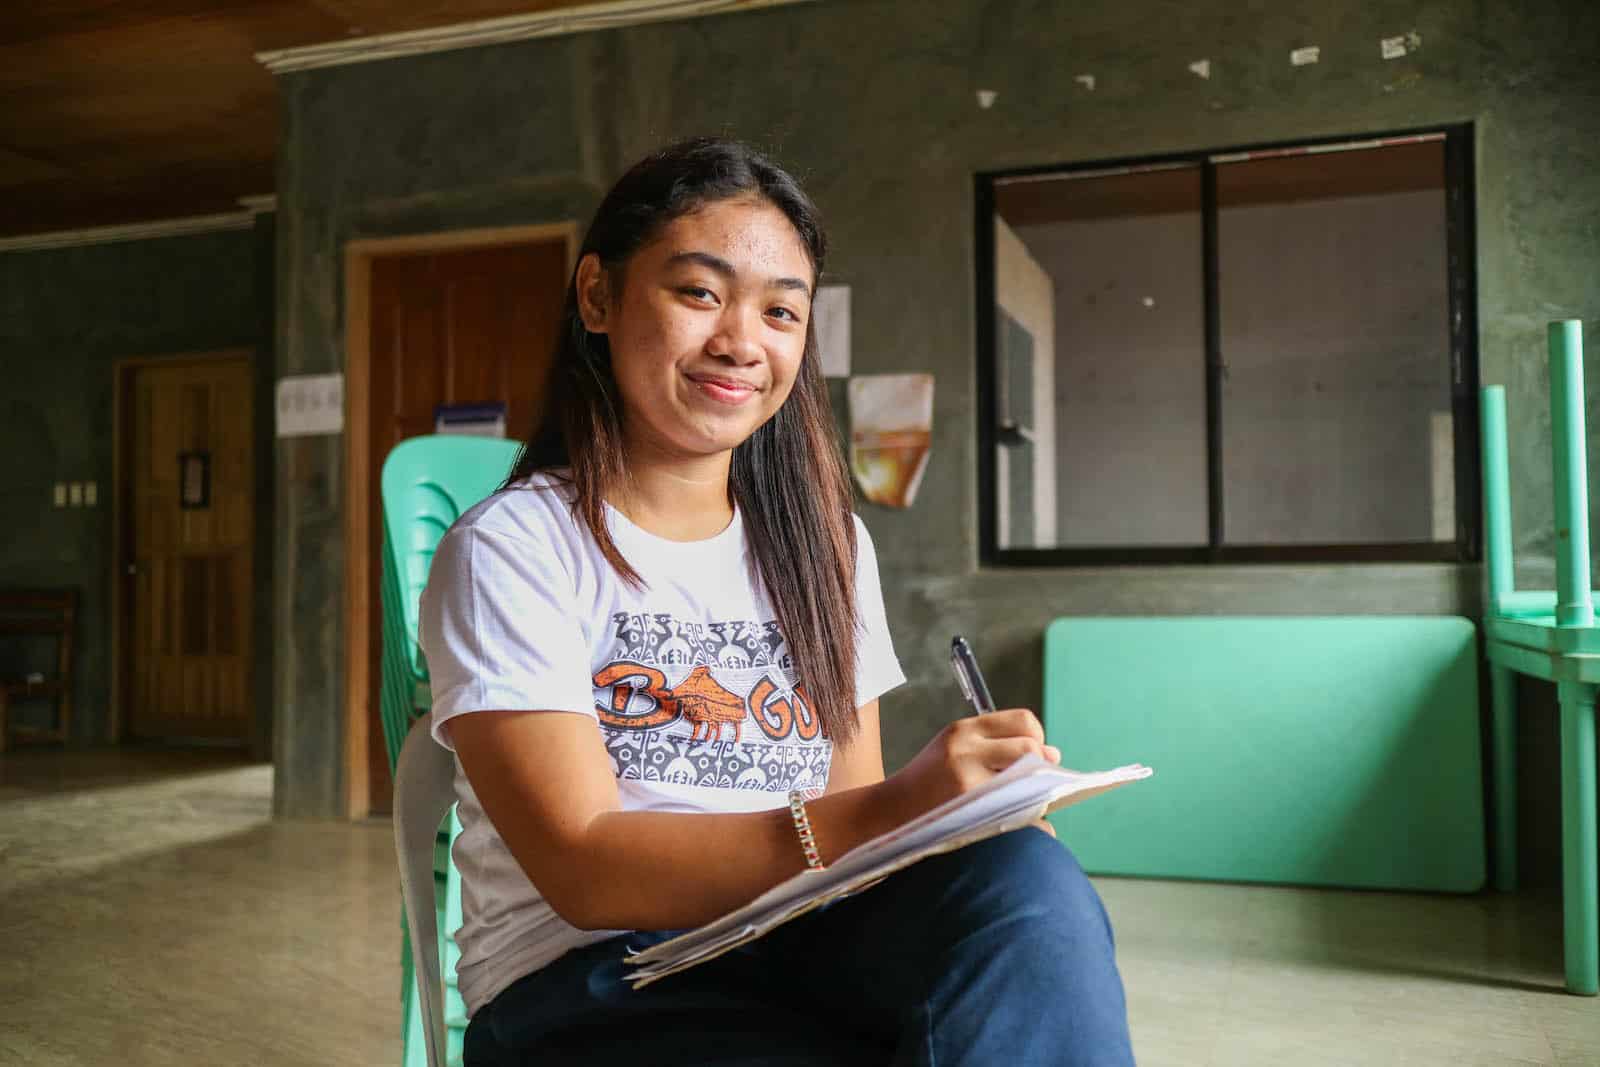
(995,955)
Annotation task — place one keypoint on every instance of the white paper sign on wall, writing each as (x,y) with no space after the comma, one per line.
(830,313)
(310,404)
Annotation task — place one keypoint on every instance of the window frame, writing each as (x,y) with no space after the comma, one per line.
(1461,265)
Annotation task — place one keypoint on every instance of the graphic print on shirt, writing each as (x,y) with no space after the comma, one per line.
(708,704)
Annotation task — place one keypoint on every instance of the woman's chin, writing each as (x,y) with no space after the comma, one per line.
(704,445)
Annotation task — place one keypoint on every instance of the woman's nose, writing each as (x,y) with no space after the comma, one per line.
(735,338)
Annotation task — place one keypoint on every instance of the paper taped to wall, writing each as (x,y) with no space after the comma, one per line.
(830,317)
(310,404)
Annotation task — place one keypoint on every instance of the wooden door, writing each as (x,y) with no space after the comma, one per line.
(192,511)
(466,326)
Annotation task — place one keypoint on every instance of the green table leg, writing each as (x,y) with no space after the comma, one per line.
(1580,875)
(1503,686)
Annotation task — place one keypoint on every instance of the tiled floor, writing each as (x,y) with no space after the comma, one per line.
(153,913)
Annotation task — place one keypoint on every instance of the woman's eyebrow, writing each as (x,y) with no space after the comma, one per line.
(727,270)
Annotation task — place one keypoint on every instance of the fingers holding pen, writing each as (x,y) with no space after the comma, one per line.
(1011,722)
(999,739)
(968,752)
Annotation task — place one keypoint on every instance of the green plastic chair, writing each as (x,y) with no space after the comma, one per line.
(427,483)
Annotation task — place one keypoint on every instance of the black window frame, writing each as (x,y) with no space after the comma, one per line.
(1461,264)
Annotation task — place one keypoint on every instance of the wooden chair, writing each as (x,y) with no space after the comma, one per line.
(29,612)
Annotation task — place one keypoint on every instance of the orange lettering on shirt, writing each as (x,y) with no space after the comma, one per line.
(776,719)
(627,681)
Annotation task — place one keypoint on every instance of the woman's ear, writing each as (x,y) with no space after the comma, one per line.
(594,293)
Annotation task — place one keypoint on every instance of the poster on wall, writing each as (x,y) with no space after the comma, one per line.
(891,429)
(830,316)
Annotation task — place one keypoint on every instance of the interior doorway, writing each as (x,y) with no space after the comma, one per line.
(463,318)
(184,515)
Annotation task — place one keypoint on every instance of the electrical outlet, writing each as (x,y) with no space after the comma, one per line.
(60,495)
(75,494)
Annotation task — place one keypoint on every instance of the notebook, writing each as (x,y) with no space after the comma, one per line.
(1023,793)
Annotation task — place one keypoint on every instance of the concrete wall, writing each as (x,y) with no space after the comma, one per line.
(872,102)
(66,316)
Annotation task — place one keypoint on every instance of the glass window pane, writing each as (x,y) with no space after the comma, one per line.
(1336,403)
(1101,319)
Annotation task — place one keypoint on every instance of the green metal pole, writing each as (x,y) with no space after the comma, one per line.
(1502,599)
(1503,713)
(1526,602)
(1574,603)
(1580,874)
(1496,498)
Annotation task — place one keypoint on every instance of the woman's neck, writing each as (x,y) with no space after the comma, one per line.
(677,498)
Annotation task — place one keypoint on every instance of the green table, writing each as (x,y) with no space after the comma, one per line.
(1551,636)
(1335,750)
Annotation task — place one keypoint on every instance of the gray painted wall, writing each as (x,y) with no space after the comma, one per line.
(66,317)
(872,102)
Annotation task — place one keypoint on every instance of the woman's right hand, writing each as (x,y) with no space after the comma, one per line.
(967,753)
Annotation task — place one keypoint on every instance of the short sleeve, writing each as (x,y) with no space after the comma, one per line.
(877,667)
(501,629)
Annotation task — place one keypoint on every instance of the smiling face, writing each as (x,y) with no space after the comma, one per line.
(708,329)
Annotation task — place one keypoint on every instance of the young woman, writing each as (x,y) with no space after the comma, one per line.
(657,653)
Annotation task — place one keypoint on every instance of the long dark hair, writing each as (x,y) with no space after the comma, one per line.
(788,479)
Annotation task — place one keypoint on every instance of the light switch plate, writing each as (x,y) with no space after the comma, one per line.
(75,494)
(91,494)
(61,494)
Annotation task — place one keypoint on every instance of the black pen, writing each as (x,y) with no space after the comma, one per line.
(969,677)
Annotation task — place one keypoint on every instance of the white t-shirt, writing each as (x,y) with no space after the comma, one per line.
(688,680)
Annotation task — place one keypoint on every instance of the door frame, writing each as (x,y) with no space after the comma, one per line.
(122,421)
(360,468)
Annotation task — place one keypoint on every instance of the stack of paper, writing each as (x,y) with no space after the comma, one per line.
(1018,796)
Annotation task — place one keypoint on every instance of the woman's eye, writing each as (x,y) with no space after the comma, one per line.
(782,311)
(698,292)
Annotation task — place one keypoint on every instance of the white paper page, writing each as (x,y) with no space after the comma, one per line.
(810,883)
(708,943)
(1014,797)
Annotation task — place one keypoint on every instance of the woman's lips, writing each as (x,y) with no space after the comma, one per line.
(723,390)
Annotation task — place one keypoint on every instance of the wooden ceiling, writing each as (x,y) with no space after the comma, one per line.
(1268,179)
(123,111)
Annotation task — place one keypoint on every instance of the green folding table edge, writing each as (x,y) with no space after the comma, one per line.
(1338,751)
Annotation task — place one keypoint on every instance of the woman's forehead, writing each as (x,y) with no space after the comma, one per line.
(751,234)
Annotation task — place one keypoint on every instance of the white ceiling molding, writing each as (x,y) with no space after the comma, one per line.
(260,204)
(137,231)
(607,15)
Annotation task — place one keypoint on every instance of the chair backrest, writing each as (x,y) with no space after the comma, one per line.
(427,483)
(423,792)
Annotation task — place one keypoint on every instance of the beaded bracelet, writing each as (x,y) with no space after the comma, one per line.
(802,827)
